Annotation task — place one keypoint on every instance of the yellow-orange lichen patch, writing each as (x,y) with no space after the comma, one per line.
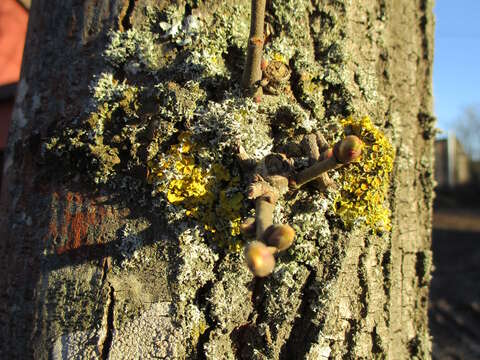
(209,193)
(364,184)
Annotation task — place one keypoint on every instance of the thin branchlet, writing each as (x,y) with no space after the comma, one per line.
(252,73)
(264,210)
(316,148)
(344,152)
(315,171)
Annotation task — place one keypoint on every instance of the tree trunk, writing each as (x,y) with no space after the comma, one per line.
(104,257)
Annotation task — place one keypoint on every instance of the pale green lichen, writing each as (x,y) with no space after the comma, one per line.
(98,138)
(311,227)
(132,252)
(219,35)
(196,262)
(228,293)
(194,324)
(181,31)
(284,291)
(290,18)
(310,84)
(290,115)
(136,50)
(204,41)
(234,121)
(282,299)
(228,307)
(106,89)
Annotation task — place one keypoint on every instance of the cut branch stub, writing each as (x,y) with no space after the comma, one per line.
(272,178)
(252,74)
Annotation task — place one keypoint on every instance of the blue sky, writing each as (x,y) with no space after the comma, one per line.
(456,72)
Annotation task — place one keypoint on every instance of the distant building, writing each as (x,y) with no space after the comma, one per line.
(13,28)
(475,166)
(452,164)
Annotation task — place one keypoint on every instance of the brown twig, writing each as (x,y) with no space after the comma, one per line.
(316,148)
(264,219)
(343,152)
(252,74)
(265,197)
(315,171)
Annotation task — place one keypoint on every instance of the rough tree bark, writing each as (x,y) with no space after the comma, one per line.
(95,265)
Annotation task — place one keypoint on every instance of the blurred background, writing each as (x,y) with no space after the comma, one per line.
(455,291)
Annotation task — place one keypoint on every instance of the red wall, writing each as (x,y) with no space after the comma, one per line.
(13,28)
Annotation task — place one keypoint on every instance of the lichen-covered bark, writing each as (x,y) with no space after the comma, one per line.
(103,259)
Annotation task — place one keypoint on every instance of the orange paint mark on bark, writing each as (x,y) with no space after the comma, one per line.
(76,222)
(78,230)
(69,197)
(76,218)
(78,199)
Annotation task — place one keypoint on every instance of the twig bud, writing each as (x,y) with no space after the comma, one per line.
(348,150)
(279,236)
(260,259)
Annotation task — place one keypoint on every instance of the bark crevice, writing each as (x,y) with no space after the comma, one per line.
(126,14)
(362,280)
(202,301)
(106,342)
(298,343)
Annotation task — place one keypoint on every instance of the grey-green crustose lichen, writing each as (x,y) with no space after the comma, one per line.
(128,125)
(177,75)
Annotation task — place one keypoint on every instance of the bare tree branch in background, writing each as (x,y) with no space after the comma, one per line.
(467,128)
